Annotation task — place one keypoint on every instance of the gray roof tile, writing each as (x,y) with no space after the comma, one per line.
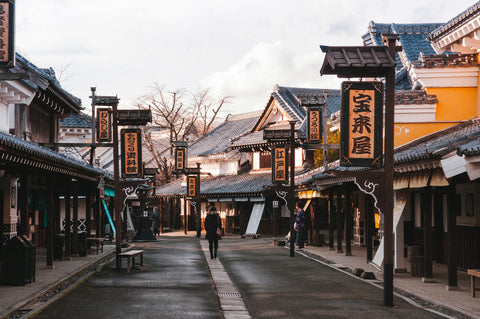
(218,140)
(456,21)
(435,145)
(246,183)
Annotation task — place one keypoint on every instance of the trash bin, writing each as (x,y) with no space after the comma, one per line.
(82,243)
(58,246)
(33,257)
(15,262)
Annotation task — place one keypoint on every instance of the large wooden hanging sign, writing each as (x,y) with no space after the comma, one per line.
(314,125)
(280,165)
(104,125)
(361,124)
(131,153)
(193,186)
(7,24)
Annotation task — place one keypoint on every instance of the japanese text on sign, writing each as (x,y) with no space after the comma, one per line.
(314,125)
(4,32)
(104,125)
(279,164)
(179,159)
(192,186)
(131,153)
(361,120)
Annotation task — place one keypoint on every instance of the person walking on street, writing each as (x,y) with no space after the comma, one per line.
(299,226)
(156,222)
(213,225)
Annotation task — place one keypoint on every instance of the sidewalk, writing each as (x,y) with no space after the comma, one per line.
(433,292)
(48,282)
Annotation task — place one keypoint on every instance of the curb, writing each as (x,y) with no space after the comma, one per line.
(59,289)
(417,300)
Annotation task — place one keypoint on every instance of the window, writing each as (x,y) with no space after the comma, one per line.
(266,160)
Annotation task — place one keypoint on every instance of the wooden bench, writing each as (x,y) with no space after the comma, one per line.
(99,241)
(130,255)
(473,273)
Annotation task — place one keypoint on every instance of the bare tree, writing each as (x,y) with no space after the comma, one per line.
(208,109)
(182,116)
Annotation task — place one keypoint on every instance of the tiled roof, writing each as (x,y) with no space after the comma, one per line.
(49,76)
(249,139)
(414,97)
(80,120)
(435,145)
(412,38)
(455,22)
(288,99)
(357,61)
(218,140)
(469,149)
(447,60)
(21,152)
(246,183)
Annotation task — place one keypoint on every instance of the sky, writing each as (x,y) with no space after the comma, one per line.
(236,48)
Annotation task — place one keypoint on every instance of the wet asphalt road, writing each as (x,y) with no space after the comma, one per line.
(175,282)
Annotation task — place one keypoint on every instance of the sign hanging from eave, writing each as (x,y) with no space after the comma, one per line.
(7,26)
(361,135)
(132,153)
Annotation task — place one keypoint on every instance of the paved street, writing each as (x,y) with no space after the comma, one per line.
(175,282)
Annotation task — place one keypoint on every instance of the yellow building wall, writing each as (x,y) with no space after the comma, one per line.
(455,104)
(407,132)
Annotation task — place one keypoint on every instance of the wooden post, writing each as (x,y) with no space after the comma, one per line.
(427,234)
(368,209)
(339,221)
(118,190)
(388,169)
(331,213)
(50,221)
(185,215)
(23,200)
(292,188)
(348,219)
(75,219)
(452,209)
(88,211)
(97,210)
(68,223)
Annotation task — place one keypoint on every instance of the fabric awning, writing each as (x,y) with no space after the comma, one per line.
(110,221)
(255,217)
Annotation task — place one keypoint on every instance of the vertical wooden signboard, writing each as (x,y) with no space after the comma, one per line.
(192,186)
(280,165)
(131,153)
(7,43)
(314,125)
(361,124)
(104,125)
(179,159)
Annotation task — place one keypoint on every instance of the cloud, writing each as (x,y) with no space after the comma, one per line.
(252,78)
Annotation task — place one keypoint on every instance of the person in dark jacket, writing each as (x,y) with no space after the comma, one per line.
(156,222)
(300,226)
(212,223)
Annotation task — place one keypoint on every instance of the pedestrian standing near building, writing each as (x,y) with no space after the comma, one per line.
(213,226)
(156,222)
(300,226)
